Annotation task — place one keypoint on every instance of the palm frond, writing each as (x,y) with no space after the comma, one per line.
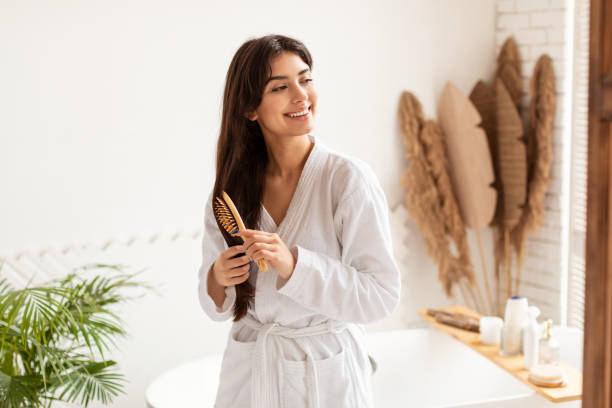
(19,391)
(91,381)
(51,333)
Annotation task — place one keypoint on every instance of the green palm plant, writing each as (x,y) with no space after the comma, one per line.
(53,337)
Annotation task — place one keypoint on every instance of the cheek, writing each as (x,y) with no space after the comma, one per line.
(271,107)
(312,95)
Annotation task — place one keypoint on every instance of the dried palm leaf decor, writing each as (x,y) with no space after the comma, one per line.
(521,148)
(509,70)
(470,165)
(461,270)
(430,199)
(512,161)
(483,98)
(509,73)
(540,129)
(483,163)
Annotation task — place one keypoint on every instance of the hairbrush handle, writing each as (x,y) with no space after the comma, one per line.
(262,265)
(261,262)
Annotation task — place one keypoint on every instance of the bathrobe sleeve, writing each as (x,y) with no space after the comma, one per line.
(363,286)
(212,245)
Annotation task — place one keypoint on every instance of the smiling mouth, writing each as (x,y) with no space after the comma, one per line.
(299,114)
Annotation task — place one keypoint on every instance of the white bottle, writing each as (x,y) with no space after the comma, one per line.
(531,338)
(514,318)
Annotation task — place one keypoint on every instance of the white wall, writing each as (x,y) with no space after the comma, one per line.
(110,109)
(109,114)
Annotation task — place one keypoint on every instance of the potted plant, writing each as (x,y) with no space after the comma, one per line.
(53,338)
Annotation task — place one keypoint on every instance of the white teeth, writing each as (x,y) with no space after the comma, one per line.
(295,115)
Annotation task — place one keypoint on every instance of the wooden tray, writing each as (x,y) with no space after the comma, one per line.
(515,364)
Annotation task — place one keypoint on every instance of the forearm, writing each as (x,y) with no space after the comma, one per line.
(340,291)
(216,291)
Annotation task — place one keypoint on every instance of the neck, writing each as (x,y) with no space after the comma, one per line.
(286,157)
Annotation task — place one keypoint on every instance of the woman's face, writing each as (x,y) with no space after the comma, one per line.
(288,91)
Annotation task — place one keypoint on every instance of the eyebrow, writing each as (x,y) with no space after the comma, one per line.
(285,77)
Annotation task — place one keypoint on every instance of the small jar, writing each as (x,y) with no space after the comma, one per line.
(550,349)
(490,330)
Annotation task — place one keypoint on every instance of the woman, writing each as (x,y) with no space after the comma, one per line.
(318,218)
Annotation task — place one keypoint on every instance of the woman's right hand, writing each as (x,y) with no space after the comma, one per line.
(228,271)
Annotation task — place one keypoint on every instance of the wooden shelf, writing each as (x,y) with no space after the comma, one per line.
(515,364)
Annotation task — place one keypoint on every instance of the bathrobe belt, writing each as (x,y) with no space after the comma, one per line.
(263,392)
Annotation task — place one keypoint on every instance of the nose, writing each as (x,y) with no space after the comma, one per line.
(299,94)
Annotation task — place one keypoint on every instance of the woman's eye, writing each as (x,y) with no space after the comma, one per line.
(284,86)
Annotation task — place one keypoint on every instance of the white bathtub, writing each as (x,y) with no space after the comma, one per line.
(418,368)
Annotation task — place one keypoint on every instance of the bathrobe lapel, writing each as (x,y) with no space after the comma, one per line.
(287,227)
(269,303)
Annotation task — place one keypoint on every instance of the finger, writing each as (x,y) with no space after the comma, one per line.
(245,233)
(233,251)
(262,254)
(260,237)
(240,233)
(239,271)
(257,247)
(239,279)
(266,238)
(237,262)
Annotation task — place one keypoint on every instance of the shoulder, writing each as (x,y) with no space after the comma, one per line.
(349,175)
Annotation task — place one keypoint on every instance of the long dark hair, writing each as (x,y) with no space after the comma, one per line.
(241,150)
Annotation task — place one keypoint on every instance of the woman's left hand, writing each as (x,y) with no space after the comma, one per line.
(268,246)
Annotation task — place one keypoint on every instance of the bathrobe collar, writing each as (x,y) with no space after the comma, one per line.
(296,206)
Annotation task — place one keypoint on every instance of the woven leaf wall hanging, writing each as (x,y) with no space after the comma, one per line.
(471,167)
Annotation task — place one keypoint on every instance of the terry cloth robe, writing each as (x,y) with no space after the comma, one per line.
(303,342)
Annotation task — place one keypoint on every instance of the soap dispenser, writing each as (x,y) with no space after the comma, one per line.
(531,338)
(550,349)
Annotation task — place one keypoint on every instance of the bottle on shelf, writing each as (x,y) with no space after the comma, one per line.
(531,337)
(514,319)
(550,349)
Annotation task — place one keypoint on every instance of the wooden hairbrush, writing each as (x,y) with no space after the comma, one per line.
(227,215)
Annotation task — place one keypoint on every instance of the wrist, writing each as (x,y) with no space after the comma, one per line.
(212,278)
(293,252)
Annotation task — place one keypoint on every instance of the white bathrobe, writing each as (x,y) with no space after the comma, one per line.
(302,344)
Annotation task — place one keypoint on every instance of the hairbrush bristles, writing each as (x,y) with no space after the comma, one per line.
(226,213)
(226,219)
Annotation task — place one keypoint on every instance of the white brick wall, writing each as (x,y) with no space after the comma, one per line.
(539,27)
(512,21)
(530,5)
(546,19)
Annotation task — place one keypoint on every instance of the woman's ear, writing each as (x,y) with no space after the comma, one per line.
(252,116)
